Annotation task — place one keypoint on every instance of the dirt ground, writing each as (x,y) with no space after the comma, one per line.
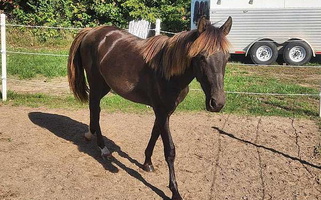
(53,86)
(43,156)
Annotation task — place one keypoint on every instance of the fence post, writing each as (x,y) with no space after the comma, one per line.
(3,57)
(320,104)
(157,26)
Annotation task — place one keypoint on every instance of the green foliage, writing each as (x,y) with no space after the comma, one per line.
(81,13)
(174,14)
(84,13)
(47,12)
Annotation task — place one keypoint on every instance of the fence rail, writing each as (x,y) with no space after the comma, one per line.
(157,30)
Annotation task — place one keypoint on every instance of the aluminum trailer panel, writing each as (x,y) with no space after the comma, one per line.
(277,24)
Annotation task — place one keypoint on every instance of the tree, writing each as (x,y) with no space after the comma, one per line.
(174,14)
(80,13)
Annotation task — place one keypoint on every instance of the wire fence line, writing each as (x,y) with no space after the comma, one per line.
(40,54)
(69,28)
(44,27)
(75,28)
(66,86)
(265,93)
(166,32)
(56,28)
(241,64)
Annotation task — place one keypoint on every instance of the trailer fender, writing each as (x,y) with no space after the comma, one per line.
(300,39)
(255,41)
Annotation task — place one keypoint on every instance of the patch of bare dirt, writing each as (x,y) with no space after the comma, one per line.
(43,156)
(53,86)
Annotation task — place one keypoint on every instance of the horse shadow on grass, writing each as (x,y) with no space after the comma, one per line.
(73,131)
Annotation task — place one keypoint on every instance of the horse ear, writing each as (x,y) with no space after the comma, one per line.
(202,24)
(226,27)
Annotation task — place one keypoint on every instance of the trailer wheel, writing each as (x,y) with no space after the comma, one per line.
(264,53)
(297,53)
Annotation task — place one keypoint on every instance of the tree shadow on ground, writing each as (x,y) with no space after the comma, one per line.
(267,148)
(73,131)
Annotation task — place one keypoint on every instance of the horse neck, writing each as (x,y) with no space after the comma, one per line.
(183,80)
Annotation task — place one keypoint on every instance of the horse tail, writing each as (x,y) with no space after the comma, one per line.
(76,74)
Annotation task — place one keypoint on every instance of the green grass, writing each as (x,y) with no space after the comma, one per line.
(111,102)
(30,66)
(38,41)
(195,101)
(238,78)
(241,81)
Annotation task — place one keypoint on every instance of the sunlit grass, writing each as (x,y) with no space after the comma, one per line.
(237,79)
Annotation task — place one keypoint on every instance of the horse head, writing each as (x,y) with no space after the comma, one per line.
(209,54)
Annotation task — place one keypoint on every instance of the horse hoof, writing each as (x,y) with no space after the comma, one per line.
(148,168)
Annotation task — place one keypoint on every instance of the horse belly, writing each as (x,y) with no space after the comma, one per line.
(130,82)
(131,91)
(124,69)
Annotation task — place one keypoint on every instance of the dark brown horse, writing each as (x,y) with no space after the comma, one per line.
(155,72)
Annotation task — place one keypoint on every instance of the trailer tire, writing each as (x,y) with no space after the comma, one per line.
(264,53)
(297,53)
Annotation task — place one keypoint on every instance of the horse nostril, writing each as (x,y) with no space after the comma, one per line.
(215,106)
(212,103)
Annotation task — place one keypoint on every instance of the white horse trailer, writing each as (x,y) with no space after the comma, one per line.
(263,29)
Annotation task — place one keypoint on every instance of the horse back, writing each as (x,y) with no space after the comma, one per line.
(111,54)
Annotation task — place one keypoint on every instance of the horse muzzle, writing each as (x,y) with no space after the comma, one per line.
(215,104)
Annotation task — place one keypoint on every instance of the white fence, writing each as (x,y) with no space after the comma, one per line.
(142,34)
(3,57)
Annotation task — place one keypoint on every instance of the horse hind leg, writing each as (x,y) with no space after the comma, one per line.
(97,92)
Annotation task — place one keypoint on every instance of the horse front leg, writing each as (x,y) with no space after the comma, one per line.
(148,165)
(169,151)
